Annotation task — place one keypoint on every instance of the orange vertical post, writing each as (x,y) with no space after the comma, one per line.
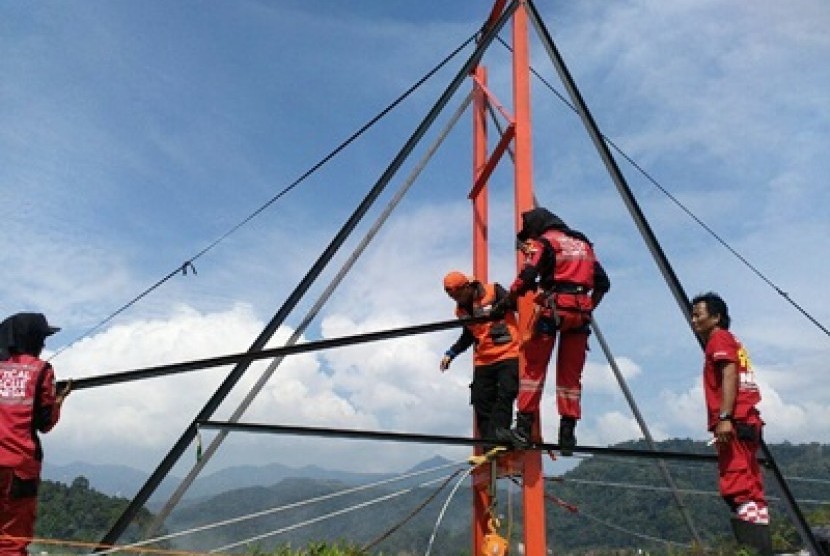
(533,483)
(480,223)
(481,494)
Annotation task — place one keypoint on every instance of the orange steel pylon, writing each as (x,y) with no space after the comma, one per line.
(517,132)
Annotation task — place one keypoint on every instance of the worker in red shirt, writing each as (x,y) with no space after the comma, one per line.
(28,403)
(733,418)
(569,282)
(496,356)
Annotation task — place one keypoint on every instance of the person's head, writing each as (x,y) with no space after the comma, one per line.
(537,220)
(709,311)
(460,287)
(25,333)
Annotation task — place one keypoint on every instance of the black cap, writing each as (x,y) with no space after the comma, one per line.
(24,333)
(39,323)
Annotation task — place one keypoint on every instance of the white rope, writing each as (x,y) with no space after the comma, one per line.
(326,516)
(630,532)
(444,509)
(277,509)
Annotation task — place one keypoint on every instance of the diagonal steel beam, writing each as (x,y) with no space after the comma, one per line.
(294,298)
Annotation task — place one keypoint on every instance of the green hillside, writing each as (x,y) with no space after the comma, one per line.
(622,505)
(72,516)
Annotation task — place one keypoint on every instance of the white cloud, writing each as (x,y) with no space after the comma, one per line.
(796,421)
(726,105)
(610,428)
(602,377)
(144,414)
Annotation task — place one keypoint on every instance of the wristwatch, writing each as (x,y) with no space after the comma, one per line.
(724,416)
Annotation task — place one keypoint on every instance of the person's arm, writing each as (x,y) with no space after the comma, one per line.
(460,346)
(48,404)
(601,284)
(536,252)
(725,429)
(503,299)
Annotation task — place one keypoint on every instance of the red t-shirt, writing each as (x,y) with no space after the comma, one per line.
(724,346)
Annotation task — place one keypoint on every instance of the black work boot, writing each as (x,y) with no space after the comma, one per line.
(520,436)
(504,436)
(567,438)
(754,535)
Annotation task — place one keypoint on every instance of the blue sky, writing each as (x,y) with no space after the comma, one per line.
(132,135)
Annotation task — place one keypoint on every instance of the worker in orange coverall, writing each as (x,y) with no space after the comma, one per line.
(496,352)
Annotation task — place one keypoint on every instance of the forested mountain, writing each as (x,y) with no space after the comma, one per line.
(603,504)
(72,516)
(613,512)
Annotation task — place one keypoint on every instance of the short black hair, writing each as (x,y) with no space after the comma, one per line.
(715,305)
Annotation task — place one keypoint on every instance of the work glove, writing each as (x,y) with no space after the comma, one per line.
(449,355)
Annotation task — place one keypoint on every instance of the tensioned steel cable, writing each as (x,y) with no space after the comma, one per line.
(188,264)
(659,256)
(683,207)
(664,469)
(696,467)
(444,509)
(386,534)
(328,515)
(217,441)
(290,506)
(302,287)
(628,531)
(656,488)
(573,510)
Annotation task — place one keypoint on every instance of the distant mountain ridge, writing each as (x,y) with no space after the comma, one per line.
(604,503)
(124,481)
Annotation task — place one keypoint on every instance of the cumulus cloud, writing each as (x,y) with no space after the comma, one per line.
(148,414)
(732,115)
(610,428)
(602,377)
(795,420)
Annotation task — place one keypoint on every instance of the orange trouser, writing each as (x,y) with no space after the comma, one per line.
(570,360)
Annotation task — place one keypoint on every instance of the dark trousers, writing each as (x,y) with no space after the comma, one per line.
(492,393)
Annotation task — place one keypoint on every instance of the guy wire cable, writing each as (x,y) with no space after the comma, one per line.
(683,207)
(328,515)
(386,534)
(294,298)
(653,244)
(632,403)
(609,525)
(445,506)
(188,264)
(184,485)
(289,506)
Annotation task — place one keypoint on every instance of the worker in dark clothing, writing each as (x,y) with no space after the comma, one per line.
(561,267)
(28,403)
(496,356)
